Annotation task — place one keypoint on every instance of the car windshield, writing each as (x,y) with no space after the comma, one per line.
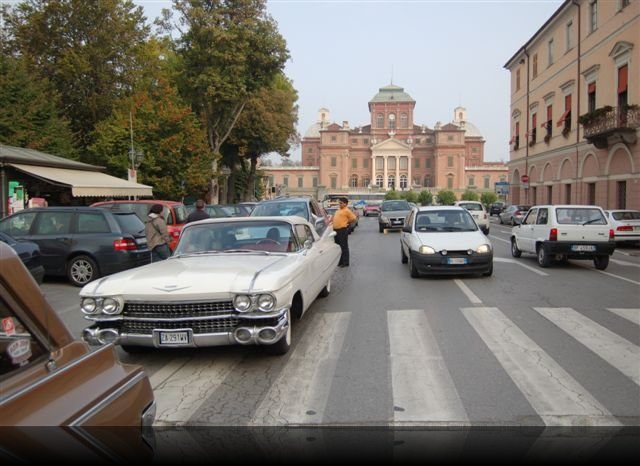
(241,237)
(471,206)
(441,221)
(634,215)
(395,205)
(580,216)
(129,223)
(280,209)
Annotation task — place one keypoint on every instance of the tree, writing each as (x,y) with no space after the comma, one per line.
(409,196)
(29,114)
(168,133)
(87,50)
(446,197)
(268,124)
(488,198)
(229,51)
(425,197)
(469,196)
(392,195)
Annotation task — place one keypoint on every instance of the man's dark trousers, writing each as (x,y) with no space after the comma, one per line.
(342,240)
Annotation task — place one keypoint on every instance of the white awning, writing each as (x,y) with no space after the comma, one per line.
(85,183)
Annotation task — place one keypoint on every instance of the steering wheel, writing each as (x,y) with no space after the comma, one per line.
(268,241)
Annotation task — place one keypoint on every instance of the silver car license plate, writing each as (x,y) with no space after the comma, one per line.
(583,248)
(174,338)
(457,260)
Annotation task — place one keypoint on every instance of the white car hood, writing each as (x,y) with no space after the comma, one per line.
(196,276)
(453,241)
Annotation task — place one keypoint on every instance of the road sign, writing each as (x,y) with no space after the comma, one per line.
(525,178)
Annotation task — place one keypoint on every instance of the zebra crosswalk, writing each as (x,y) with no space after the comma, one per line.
(425,389)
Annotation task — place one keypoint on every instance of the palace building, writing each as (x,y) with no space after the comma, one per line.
(391,151)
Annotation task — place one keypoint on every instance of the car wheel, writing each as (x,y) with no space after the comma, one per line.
(81,270)
(486,230)
(515,252)
(489,272)
(412,268)
(326,290)
(601,262)
(283,344)
(403,256)
(543,258)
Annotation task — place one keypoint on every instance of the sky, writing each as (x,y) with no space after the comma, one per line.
(443,53)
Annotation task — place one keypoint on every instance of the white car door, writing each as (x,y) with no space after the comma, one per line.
(316,263)
(406,238)
(525,232)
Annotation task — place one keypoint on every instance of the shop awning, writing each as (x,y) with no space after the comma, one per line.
(85,183)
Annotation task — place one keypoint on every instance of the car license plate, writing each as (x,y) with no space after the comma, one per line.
(174,338)
(457,261)
(583,248)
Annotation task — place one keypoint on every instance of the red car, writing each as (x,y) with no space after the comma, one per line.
(371,209)
(175,213)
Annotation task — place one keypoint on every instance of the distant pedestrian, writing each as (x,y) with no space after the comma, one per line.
(341,220)
(158,238)
(199,213)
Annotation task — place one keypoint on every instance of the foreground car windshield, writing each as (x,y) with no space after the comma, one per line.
(395,205)
(237,236)
(445,221)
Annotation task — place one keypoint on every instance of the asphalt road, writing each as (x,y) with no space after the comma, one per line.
(525,347)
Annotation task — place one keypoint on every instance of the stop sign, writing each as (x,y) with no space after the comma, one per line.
(525,178)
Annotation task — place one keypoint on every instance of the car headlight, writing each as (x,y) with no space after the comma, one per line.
(266,302)
(88,306)
(110,306)
(426,250)
(483,249)
(242,303)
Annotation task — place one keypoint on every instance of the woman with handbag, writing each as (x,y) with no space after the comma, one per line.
(158,238)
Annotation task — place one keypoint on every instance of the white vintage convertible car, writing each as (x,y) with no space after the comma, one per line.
(230,281)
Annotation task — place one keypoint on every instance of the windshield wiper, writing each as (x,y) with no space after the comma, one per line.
(452,229)
(591,221)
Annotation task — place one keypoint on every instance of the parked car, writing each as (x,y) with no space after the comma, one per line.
(223,210)
(29,253)
(174,213)
(478,212)
(513,214)
(444,240)
(626,225)
(392,215)
(563,232)
(496,208)
(306,207)
(83,243)
(230,281)
(50,379)
(249,205)
(371,209)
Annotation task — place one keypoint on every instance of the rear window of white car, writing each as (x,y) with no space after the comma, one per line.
(626,215)
(580,216)
(471,206)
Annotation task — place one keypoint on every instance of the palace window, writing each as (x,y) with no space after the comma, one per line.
(285,181)
(427,181)
(380,120)
(416,163)
(334,162)
(334,182)
(315,181)
(535,65)
(404,120)
(593,15)
(353,181)
(450,182)
(569,35)
(404,163)
(487,181)
(379,163)
(379,181)
(392,121)
(300,181)
(450,161)
(550,52)
(403,181)
(391,182)
(354,163)
(391,163)
(591,97)
(518,79)
(365,163)
(334,138)
(472,181)
(366,182)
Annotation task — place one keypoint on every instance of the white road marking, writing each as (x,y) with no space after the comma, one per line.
(300,393)
(615,276)
(630,314)
(625,263)
(180,389)
(617,351)
(556,396)
(518,262)
(465,289)
(423,390)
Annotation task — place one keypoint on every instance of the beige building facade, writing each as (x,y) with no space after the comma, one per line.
(389,152)
(575,91)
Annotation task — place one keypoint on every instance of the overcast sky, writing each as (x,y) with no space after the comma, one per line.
(443,53)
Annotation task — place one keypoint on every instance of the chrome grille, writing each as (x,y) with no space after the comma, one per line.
(178,310)
(198,326)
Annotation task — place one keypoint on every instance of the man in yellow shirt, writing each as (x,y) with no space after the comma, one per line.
(341,220)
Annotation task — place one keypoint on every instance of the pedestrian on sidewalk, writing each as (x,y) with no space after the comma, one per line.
(199,213)
(158,238)
(341,220)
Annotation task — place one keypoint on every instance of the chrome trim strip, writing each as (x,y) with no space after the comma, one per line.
(103,403)
(254,315)
(52,375)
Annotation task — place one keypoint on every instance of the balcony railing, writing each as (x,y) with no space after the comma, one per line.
(614,125)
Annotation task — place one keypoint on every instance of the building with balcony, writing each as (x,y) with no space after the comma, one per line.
(389,152)
(575,90)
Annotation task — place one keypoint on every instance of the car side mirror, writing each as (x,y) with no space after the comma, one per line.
(308,244)
(319,224)
(407,228)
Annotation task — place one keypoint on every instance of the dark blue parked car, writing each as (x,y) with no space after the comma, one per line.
(29,253)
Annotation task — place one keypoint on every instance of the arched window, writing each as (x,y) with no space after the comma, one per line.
(403,181)
(379,181)
(391,181)
(366,182)
(450,181)
(416,181)
(404,121)
(392,121)
(334,181)
(380,120)
(353,182)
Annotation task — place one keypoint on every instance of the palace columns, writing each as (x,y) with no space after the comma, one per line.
(384,178)
(396,185)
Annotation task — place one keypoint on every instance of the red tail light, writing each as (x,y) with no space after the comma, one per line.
(611,235)
(553,234)
(624,228)
(517,213)
(125,244)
